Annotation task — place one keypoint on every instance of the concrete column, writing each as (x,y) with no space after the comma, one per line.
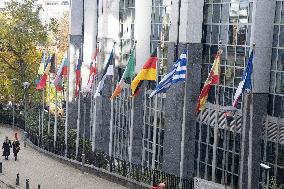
(262,35)
(137,143)
(108,30)
(75,41)
(90,38)
(142,31)
(191,33)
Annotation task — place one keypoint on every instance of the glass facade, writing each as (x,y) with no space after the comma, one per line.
(154,111)
(276,97)
(226,25)
(272,152)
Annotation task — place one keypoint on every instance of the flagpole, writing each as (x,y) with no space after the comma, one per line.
(250,130)
(55,122)
(183,125)
(111,109)
(48,125)
(155,112)
(94,115)
(78,124)
(215,143)
(131,118)
(42,121)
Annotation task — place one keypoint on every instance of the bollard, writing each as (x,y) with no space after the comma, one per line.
(25,138)
(38,187)
(1,171)
(27,184)
(83,162)
(18,180)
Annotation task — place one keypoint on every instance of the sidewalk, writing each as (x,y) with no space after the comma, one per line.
(49,173)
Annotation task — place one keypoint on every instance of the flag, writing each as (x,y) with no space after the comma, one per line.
(43,78)
(52,64)
(148,72)
(64,69)
(58,78)
(93,71)
(127,75)
(78,76)
(177,73)
(246,80)
(108,70)
(41,68)
(213,78)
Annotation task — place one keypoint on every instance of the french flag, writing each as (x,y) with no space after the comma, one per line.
(245,83)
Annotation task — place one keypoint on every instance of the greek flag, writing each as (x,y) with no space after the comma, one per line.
(177,73)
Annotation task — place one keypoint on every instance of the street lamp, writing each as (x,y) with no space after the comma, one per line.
(266,168)
(26,85)
(14,82)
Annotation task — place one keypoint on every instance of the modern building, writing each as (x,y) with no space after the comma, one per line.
(53,9)
(164,132)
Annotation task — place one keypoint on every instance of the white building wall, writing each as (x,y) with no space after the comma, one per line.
(142,31)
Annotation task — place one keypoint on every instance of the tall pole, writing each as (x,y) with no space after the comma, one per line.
(183,128)
(42,120)
(155,112)
(215,143)
(111,110)
(48,124)
(78,124)
(84,131)
(13,104)
(55,122)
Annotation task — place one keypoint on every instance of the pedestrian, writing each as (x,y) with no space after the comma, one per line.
(6,148)
(155,186)
(16,146)
(162,185)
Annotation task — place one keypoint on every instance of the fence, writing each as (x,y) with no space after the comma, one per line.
(99,159)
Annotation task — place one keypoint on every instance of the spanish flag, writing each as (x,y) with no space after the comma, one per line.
(213,78)
(148,72)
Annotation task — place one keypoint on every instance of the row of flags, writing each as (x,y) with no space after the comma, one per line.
(177,73)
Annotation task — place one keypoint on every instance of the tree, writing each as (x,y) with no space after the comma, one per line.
(21,32)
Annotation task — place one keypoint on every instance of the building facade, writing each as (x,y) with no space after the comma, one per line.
(164,132)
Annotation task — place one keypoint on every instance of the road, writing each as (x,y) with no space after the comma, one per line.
(47,172)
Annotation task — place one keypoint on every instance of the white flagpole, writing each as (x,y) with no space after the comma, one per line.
(67,103)
(155,111)
(250,129)
(42,121)
(215,143)
(183,125)
(111,111)
(55,122)
(48,125)
(131,120)
(78,124)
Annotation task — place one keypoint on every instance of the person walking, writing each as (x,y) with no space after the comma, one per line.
(6,148)
(16,146)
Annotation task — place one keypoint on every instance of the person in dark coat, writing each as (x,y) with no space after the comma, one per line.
(16,146)
(6,148)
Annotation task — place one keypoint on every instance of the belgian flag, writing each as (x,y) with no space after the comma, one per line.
(148,73)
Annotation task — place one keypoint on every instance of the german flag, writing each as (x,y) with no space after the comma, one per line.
(148,72)
(213,78)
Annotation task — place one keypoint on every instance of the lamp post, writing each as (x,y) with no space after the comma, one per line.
(26,86)
(266,168)
(14,82)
